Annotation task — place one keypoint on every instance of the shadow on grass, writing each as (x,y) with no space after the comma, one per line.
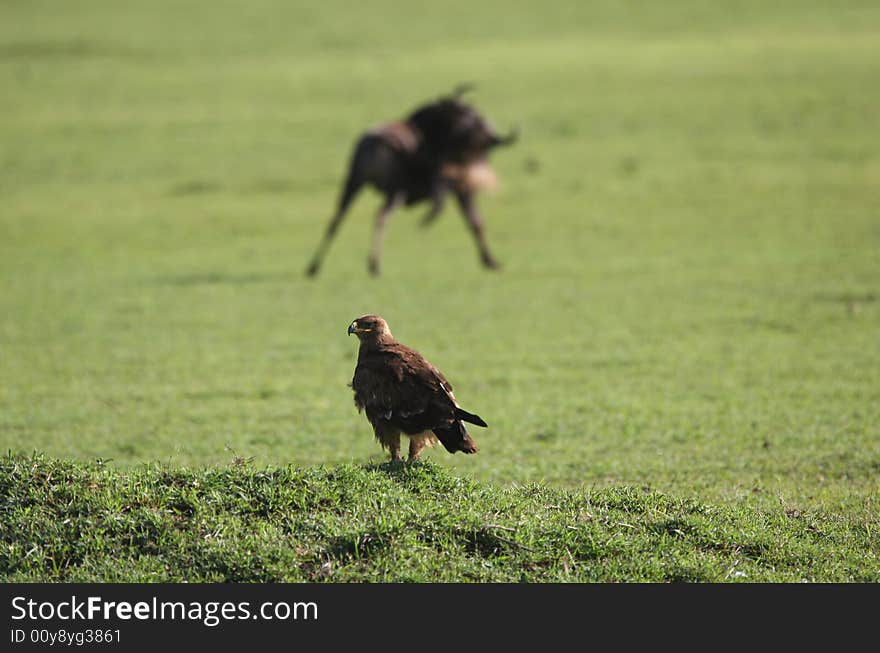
(359,546)
(63,49)
(217,278)
(402,470)
(259,186)
(848,297)
(195,187)
(392,468)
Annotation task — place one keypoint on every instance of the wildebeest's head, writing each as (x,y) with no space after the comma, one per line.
(455,131)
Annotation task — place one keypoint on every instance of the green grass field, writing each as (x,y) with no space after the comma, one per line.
(690,300)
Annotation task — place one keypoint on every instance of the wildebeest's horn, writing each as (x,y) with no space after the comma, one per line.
(510,139)
(461,89)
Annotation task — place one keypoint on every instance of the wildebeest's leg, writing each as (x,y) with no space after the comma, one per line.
(468,206)
(391,203)
(438,201)
(352,186)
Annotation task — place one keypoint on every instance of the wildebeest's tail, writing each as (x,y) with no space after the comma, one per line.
(456,438)
(462,414)
(461,89)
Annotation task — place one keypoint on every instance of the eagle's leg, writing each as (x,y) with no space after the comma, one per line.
(468,207)
(394,448)
(391,203)
(416,444)
(388,437)
(391,441)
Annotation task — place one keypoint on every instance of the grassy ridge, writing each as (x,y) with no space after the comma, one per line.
(71,522)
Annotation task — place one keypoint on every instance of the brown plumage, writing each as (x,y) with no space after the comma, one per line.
(401,392)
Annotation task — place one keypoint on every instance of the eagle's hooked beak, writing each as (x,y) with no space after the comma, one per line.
(352,328)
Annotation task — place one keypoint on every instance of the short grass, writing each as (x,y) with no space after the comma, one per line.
(394,523)
(690,298)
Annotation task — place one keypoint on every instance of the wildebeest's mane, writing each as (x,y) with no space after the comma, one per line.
(447,129)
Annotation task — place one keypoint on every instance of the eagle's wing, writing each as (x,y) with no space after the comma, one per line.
(398,385)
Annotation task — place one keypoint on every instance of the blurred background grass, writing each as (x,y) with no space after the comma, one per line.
(689,231)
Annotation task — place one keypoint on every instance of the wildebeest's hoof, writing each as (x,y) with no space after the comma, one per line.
(373,267)
(490,263)
(312,270)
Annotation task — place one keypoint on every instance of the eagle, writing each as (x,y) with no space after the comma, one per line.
(401,392)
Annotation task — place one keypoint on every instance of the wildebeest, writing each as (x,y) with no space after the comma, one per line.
(441,147)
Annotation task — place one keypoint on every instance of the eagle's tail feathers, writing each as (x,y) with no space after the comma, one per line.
(456,438)
(470,418)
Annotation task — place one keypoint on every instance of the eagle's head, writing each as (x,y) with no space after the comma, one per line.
(369,328)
